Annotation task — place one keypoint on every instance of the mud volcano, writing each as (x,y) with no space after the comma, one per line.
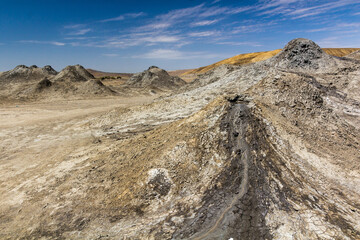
(156,78)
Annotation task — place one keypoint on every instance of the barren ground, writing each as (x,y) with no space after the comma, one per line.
(35,138)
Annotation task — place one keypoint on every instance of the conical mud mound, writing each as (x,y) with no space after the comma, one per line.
(303,55)
(22,73)
(155,77)
(76,73)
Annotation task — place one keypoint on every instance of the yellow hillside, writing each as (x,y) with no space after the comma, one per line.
(237,60)
(260,56)
(340,52)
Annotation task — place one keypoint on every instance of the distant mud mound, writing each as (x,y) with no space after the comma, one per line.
(43,84)
(303,55)
(49,70)
(155,77)
(32,83)
(79,89)
(213,75)
(74,81)
(23,73)
(76,73)
(354,55)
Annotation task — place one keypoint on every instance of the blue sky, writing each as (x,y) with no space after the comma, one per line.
(129,36)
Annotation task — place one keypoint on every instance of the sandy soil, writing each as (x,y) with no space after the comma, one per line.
(36,136)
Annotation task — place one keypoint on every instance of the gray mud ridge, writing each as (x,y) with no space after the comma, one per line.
(236,210)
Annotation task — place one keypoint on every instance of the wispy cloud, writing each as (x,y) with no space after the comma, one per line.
(43,42)
(348,27)
(203,34)
(195,16)
(135,39)
(329,42)
(253,44)
(205,22)
(161,39)
(80,32)
(169,31)
(277,3)
(175,54)
(156,26)
(80,38)
(319,9)
(123,17)
(214,11)
(77,29)
(169,19)
(74,26)
(250,28)
(295,8)
(110,54)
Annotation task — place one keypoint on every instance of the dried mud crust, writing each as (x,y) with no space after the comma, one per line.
(280,193)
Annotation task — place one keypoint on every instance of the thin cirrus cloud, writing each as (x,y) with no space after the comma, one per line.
(199,13)
(340,27)
(253,44)
(176,28)
(170,54)
(110,54)
(77,29)
(80,32)
(155,26)
(156,29)
(133,40)
(168,28)
(214,11)
(55,43)
(203,34)
(123,17)
(320,9)
(251,28)
(162,39)
(330,42)
(74,26)
(205,23)
(171,18)
(277,3)
(295,8)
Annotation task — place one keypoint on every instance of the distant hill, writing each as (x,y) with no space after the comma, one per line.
(354,55)
(155,77)
(260,56)
(34,83)
(100,74)
(340,52)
